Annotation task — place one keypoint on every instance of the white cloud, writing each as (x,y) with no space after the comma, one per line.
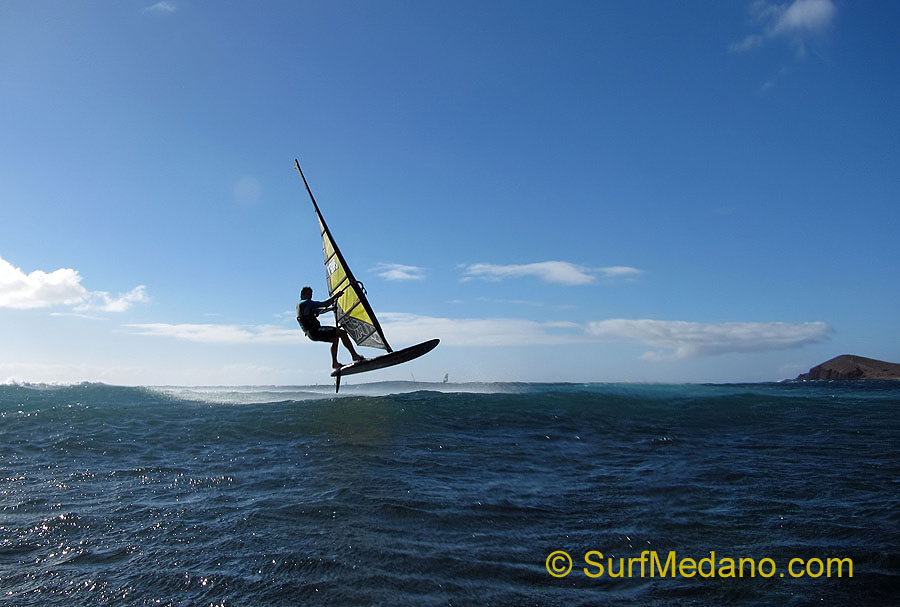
(681,339)
(556,272)
(750,42)
(412,328)
(165,7)
(396,271)
(101,300)
(221,334)
(618,272)
(61,287)
(689,339)
(804,16)
(39,289)
(399,328)
(796,21)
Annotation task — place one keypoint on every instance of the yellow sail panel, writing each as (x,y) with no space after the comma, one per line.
(350,311)
(327,245)
(352,314)
(336,276)
(348,300)
(360,313)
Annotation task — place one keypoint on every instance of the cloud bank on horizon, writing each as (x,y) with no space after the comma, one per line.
(677,339)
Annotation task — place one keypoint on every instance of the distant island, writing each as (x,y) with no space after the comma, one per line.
(849,366)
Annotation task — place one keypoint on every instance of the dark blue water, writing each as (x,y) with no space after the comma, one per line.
(389,496)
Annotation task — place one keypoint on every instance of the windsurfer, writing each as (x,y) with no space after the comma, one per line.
(308,310)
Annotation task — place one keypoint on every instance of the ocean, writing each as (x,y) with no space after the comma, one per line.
(451,494)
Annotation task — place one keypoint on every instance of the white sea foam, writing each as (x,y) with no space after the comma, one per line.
(271,394)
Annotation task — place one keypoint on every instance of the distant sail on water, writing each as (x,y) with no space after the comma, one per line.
(352,311)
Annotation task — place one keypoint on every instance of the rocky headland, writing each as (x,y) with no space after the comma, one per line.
(849,366)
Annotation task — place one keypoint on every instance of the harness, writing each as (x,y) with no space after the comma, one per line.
(307,318)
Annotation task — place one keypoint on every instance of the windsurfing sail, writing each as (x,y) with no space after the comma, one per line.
(352,310)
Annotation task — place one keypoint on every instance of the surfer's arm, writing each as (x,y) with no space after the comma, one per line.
(320,307)
(330,301)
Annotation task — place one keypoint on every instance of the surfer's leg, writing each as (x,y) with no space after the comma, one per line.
(334,348)
(328,335)
(348,344)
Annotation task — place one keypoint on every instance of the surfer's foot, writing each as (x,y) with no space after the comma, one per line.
(358,358)
(337,365)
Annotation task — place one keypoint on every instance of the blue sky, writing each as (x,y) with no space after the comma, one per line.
(576,191)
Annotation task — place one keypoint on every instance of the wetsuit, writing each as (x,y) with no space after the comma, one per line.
(307,311)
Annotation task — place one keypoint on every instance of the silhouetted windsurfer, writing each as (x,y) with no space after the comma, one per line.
(307,312)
